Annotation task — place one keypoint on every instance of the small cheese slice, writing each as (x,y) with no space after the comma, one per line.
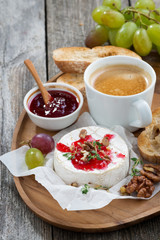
(116,170)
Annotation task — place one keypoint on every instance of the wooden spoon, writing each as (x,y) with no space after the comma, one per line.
(46,96)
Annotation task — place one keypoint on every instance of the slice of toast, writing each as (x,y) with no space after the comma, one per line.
(76,59)
(74,79)
(149,140)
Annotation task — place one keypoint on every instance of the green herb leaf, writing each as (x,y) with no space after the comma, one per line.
(85,189)
(89,157)
(135,172)
(98,157)
(94,143)
(96,188)
(94,152)
(98,143)
(101,187)
(134,159)
(68,155)
(141,162)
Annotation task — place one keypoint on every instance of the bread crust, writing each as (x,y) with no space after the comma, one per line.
(77,59)
(148,142)
(74,79)
(72,66)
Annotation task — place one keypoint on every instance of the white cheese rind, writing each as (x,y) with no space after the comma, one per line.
(115,172)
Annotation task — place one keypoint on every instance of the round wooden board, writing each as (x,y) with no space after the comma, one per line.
(116,215)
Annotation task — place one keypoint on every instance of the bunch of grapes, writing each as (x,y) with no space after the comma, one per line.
(138,26)
(41,144)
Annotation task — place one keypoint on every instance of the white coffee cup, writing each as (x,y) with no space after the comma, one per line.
(131,112)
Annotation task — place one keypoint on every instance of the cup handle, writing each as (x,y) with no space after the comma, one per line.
(143,112)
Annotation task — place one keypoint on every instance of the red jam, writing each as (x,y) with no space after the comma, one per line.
(120,155)
(62,147)
(109,136)
(96,159)
(63,104)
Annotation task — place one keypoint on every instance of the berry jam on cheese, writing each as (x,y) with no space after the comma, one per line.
(88,153)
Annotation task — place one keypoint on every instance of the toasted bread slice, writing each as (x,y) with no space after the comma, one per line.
(76,59)
(74,79)
(149,140)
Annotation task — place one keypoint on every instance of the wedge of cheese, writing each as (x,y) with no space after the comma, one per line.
(114,171)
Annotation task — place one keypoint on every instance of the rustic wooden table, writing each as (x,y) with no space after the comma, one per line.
(33,29)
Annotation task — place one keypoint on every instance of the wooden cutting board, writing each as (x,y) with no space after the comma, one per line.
(116,215)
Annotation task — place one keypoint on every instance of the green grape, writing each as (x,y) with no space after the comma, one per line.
(144,20)
(97,12)
(97,36)
(141,42)
(158,49)
(112,19)
(124,36)
(156,14)
(112,35)
(154,33)
(112,3)
(127,14)
(145,4)
(34,158)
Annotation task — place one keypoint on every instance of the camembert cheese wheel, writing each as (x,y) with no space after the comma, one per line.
(91,155)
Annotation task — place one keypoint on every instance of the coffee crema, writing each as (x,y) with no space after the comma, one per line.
(120,80)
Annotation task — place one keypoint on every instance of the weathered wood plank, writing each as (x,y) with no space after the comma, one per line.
(145,231)
(68,23)
(22,36)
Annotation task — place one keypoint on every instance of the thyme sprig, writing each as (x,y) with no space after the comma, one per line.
(134,170)
(96,155)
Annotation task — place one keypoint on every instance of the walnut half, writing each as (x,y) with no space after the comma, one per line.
(83,133)
(152,172)
(88,146)
(105,141)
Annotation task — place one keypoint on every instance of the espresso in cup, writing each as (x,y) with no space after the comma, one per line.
(120,80)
